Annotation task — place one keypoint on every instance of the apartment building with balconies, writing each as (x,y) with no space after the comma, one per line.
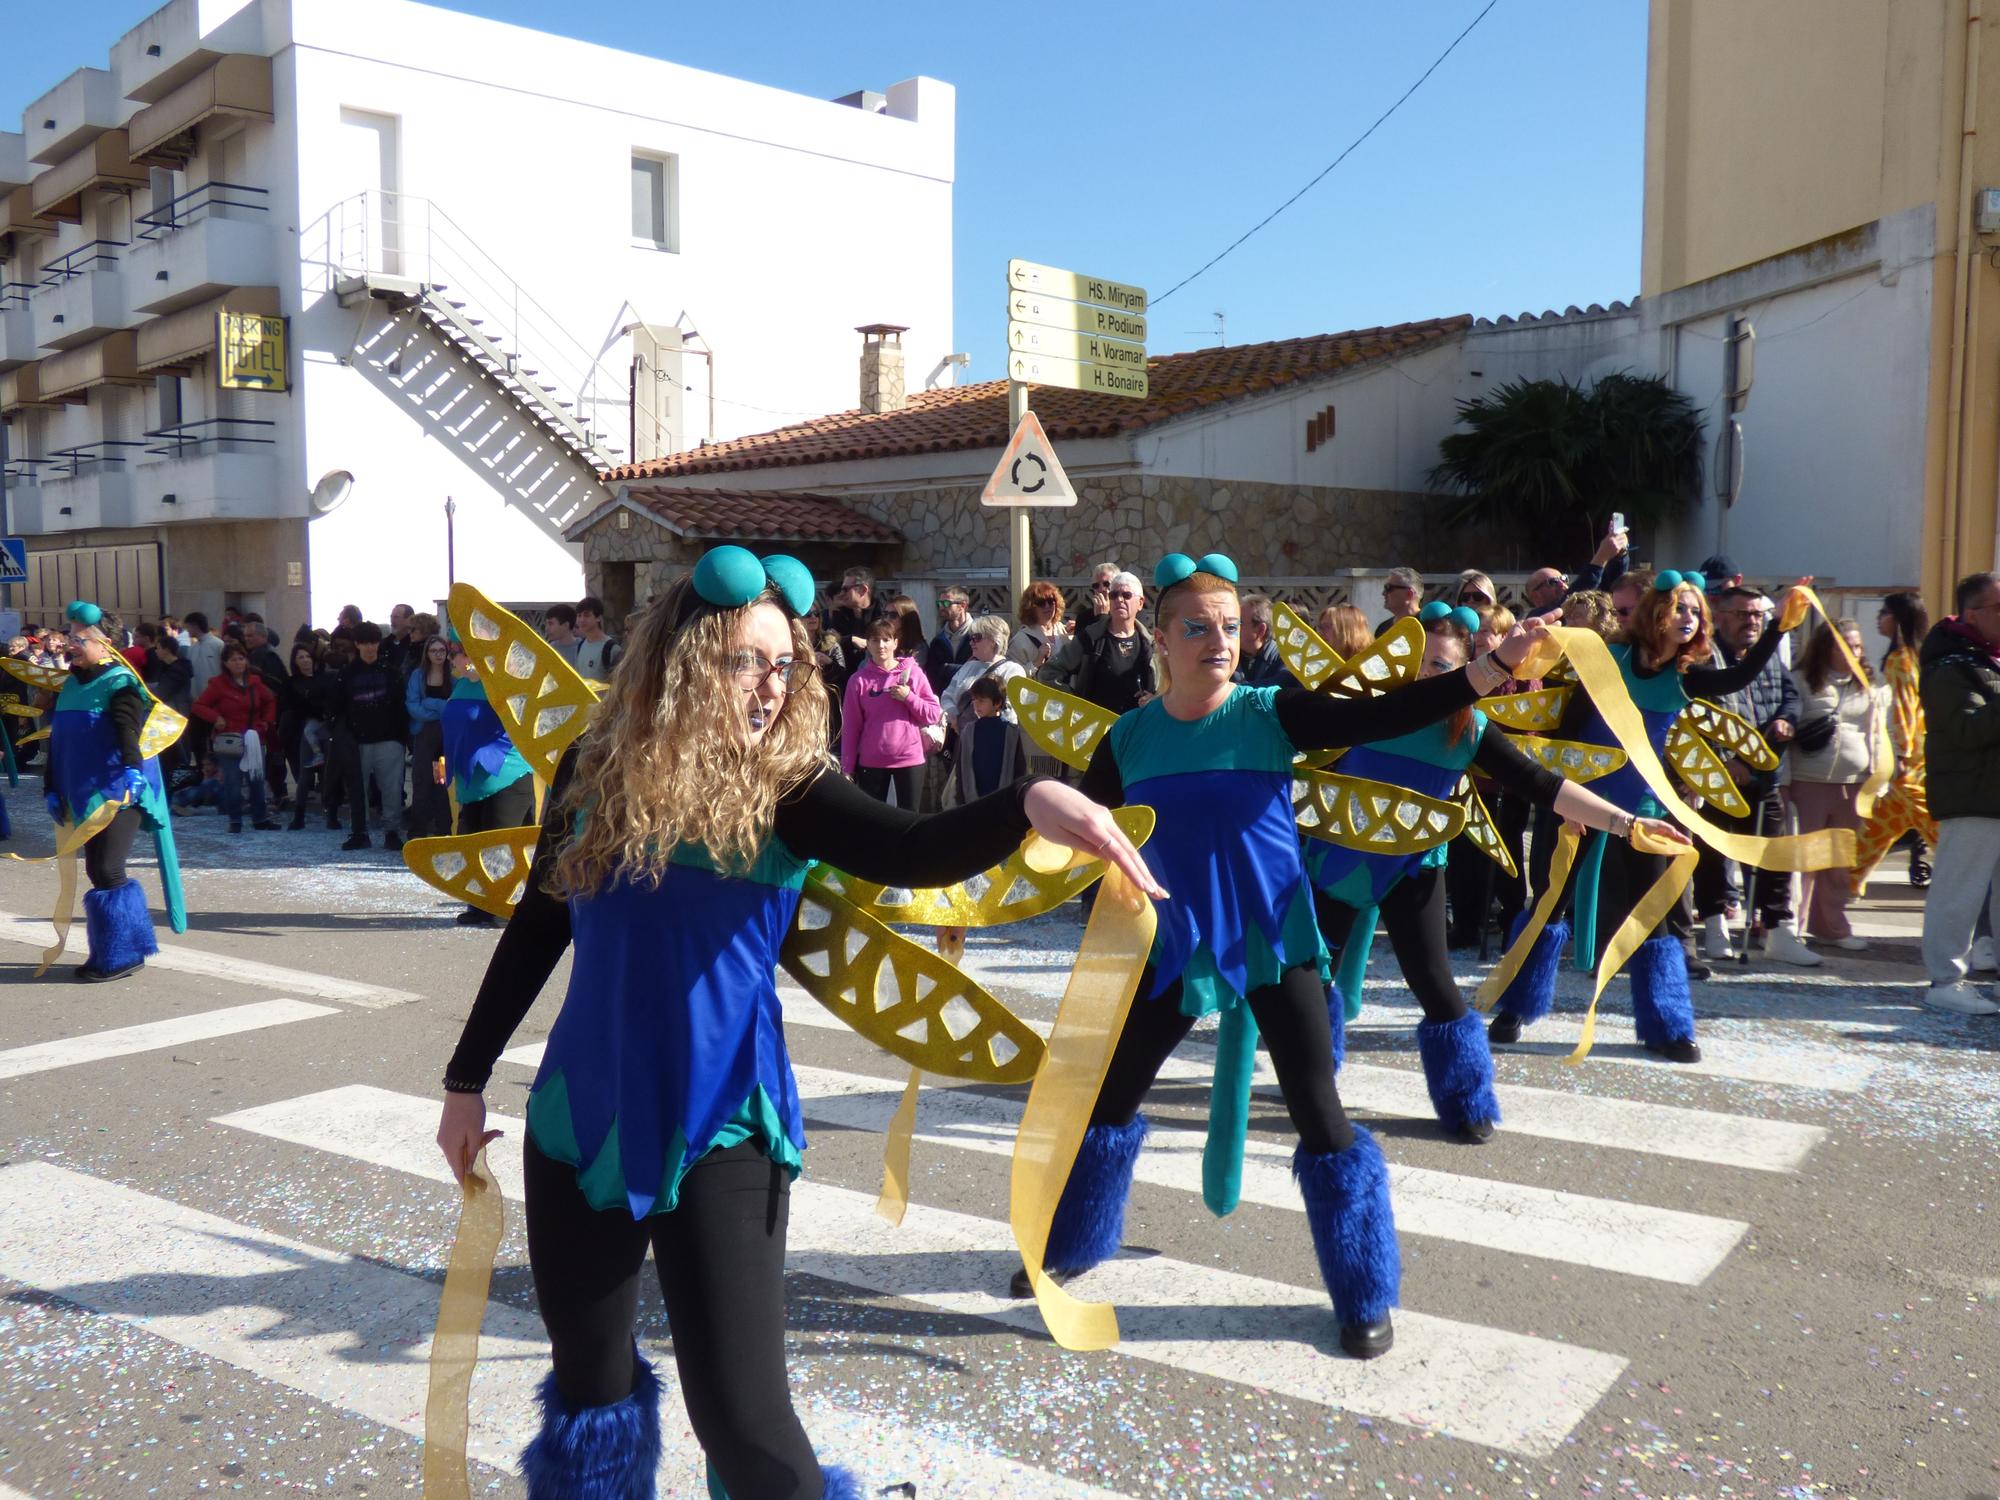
(305,302)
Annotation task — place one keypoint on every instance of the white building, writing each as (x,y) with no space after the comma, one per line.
(504,260)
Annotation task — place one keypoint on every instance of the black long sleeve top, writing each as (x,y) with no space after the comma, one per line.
(827,819)
(1513,770)
(1716,682)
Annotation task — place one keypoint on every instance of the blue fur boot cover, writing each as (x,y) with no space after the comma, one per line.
(1662,1008)
(1533,992)
(1089,1224)
(841,1485)
(1336,1015)
(119,926)
(597,1452)
(1458,1070)
(1353,1228)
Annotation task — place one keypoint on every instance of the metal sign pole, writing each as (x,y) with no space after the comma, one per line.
(1020,543)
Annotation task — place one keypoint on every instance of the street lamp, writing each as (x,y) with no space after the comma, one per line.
(450,544)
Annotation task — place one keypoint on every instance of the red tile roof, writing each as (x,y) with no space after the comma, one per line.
(975,416)
(750,515)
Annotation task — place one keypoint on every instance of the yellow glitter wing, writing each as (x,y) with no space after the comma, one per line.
(1375,817)
(1570,759)
(487,870)
(541,700)
(1394,659)
(1011,891)
(10,703)
(163,726)
(1731,733)
(1527,713)
(908,1001)
(1701,770)
(49,679)
(1480,830)
(1058,723)
(1301,648)
(29,739)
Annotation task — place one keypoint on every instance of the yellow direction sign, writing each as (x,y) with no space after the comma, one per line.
(1077,317)
(1032,340)
(1048,369)
(1026,276)
(1028,473)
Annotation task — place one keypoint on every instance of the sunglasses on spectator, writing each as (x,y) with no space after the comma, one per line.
(1100,586)
(1121,593)
(1467,595)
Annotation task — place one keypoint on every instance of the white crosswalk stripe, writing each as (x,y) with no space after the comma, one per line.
(150,1036)
(1442,1375)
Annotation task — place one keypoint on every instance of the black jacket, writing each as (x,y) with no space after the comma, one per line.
(1959,682)
(1079,668)
(368,703)
(172,682)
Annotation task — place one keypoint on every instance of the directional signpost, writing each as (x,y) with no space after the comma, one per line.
(1082,333)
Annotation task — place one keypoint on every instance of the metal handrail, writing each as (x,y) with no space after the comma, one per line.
(59,270)
(194,205)
(177,438)
(71,460)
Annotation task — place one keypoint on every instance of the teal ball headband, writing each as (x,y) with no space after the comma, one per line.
(1178,567)
(83,612)
(1437,610)
(730,577)
(1671,579)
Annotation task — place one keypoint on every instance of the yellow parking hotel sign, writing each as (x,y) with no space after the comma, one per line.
(250,352)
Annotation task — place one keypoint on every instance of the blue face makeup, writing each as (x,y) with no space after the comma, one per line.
(1196,630)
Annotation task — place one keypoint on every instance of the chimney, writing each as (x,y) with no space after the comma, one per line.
(882,366)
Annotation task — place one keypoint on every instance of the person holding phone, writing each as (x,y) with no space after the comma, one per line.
(886,708)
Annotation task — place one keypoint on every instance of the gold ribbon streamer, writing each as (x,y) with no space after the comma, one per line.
(455,1346)
(1495,984)
(1094,1005)
(1882,753)
(895,1196)
(1638,924)
(70,839)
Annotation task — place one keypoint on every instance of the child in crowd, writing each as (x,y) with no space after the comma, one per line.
(206,792)
(992,753)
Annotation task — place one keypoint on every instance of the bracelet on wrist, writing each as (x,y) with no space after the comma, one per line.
(460,1086)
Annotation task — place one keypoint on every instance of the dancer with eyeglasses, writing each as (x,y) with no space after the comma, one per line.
(665,1113)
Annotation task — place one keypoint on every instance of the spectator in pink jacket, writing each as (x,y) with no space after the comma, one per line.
(888,705)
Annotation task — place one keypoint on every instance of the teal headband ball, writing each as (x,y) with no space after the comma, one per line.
(1671,579)
(1178,567)
(730,577)
(1437,611)
(793,580)
(1432,612)
(1465,619)
(83,612)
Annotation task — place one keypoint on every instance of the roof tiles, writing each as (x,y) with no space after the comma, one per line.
(751,515)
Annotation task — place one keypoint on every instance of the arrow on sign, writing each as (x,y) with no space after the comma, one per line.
(1028,472)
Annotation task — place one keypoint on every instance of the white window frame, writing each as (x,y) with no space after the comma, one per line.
(667,203)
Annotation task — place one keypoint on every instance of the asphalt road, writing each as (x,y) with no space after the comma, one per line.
(221,1237)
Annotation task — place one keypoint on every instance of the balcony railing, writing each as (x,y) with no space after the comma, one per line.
(92,256)
(188,439)
(15,294)
(197,204)
(69,463)
(23,470)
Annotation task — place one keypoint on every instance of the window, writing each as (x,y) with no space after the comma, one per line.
(655,206)
(168,390)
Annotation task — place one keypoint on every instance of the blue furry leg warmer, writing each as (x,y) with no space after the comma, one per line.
(839,1484)
(1532,994)
(119,927)
(1353,1228)
(1662,1007)
(1458,1070)
(1090,1219)
(597,1452)
(1336,1016)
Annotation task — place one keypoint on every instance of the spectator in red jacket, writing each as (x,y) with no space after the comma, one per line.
(236,702)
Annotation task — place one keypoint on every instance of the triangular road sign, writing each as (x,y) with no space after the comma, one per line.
(1028,473)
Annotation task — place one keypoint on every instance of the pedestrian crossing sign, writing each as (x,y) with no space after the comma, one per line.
(13,560)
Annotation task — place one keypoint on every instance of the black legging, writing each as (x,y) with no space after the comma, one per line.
(513,806)
(1413,912)
(1292,1016)
(720,1255)
(876,781)
(104,856)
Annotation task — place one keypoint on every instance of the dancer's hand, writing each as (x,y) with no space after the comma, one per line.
(1659,831)
(1527,636)
(1063,815)
(1795,606)
(462,1132)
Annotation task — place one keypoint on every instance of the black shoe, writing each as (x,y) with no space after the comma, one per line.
(1920,871)
(295,825)
(472,916)
(1475,1132)
(1505,1027)
(1019,1289)
(235,827)
(1697,969)
(87,975)
(267,826)
(392,841)
(359,841)
(1368,1340)
(1683,1050)
(333,824)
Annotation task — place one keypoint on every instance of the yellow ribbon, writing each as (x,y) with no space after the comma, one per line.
(70,838)
(1510,963)
(1638,924)
(455,1346)
(895,1195)
(1882,753)
(1108,963)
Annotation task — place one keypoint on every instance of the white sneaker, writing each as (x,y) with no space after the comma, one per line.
(1961,998)
(1715,940)
(1850,943)
(1982,956)
(1784,945)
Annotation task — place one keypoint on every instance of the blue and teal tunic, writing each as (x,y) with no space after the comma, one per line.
(478,756)
(670,1042)
(1429,762)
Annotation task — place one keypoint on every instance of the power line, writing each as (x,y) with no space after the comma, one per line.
(1337,160)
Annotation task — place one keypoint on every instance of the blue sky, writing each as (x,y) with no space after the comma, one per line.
(1136,140)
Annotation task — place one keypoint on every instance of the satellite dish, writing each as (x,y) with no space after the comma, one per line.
(333,488)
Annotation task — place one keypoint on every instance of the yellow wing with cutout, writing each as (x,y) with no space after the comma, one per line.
(1009,892)
(1701,770)
(1479,828)
(1301,648)
(1570,759)
(1527,713)
(10,703)
(487,870)
(541,700)
(1058,723)
(48,679)
(1731,733)
(1375,817)
(910,1002)
(1395,658)
(163,726)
